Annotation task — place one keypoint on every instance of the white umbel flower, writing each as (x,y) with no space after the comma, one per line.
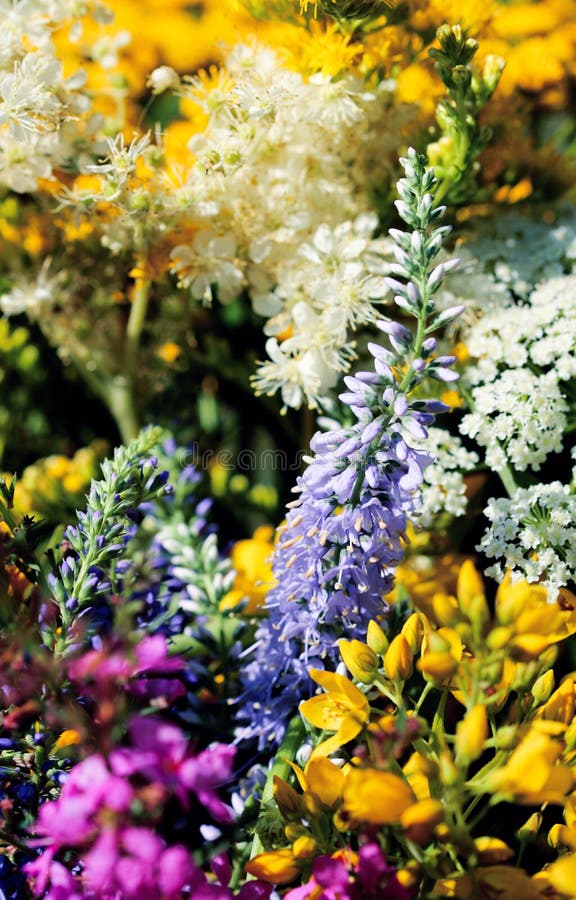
(519,418)
(533,534)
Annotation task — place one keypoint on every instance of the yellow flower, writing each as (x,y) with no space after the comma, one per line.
(536,624)
(452,398)
(68,738)
(504,882)
(471,734)
(321,778)
(417,84)
(344,709)
(169,352)
(254,577)
(560,705)
(560,875)
(420,819)
(275,866)
(491,850)
(398,659)
(375,797)
(537,754)
(418,770)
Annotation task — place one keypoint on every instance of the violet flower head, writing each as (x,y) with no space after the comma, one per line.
(342,541)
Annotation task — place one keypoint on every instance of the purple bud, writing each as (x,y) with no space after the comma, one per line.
(400,405)
(444,374)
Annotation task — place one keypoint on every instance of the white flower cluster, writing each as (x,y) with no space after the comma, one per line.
(542,333)
(524,355)
(519,418)
(37,104)
(443,489)
(281,188)
(505,256)
(533,534)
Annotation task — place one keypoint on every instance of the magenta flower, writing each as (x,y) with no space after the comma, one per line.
(160,753)
(69,820)
(63,885)
(370,878)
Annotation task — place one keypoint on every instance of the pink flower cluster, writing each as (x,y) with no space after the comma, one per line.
(365,876)
(105,811)
(145,672)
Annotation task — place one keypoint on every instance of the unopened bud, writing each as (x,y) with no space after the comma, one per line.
(543,687)
(304,847)
(360,660)
(449,774)
(398,660)
(376,639)
(529,830)
(471,734)
(413,631)
(164,78)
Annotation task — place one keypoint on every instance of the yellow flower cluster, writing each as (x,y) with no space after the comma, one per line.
(56,485)
(457,711)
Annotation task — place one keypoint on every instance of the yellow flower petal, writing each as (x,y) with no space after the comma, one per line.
(378,798)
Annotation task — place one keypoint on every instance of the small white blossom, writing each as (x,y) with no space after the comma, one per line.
(519,418)
(31,296)
(443,489)
(210,260)
(533,534)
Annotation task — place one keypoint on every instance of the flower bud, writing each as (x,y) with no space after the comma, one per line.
(376,639)
(312,804)
(420,819)
(437,666)
(413,631)
(499,638)
(164,78)
(471,598)
(449,774)
(398,659)
(529,830)
(304,847)
(543,687)
(506,737)
(493,67)
(288,800)
(491,851)
(360,660)
(471,734)
(445,608)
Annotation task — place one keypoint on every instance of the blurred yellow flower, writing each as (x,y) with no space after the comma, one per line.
(504,882)
(375,797)
(471,733)
(252,561)
(275,866)
(539,754)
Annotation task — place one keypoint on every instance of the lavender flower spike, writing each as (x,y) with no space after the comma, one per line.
(337,553)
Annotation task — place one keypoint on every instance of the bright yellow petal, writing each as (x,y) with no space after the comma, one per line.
(376,797)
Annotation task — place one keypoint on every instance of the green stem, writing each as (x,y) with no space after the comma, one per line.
(136,322)
(121,402)
(281,767)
